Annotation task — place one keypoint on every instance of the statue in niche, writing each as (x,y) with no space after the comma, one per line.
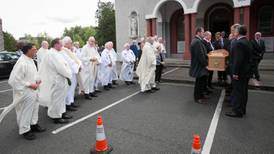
(133,26)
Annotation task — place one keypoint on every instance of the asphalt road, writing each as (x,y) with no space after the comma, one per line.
(162,122)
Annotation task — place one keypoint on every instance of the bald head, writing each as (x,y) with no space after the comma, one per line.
(127,46)
(91,41)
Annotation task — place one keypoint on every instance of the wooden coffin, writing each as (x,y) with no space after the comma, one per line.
(217,60)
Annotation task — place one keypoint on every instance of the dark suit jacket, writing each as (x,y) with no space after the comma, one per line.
(208,46)
(218,45)
(242,61)
(198,58)
(258,49)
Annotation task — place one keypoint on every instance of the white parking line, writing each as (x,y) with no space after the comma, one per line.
(2,91)
(101,110)
(170,71)
(177,84)
(213,125)
(4,81)
(93,114)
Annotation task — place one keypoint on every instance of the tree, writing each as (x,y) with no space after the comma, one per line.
(80,34)
(36,40)
(106,30)
(43,37)
(9,42)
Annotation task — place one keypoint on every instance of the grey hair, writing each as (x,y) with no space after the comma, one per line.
(258,33)
(66,40)
(44,42)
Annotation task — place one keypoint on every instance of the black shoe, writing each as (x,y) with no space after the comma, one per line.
(211,87)
(127,83)
(106,88)
(37,128)
(132,82)
(60,121)
(234,115)
(200,101)
(155,88)
(92,95)
(110,86)
(149,91)
(98,91)
(70,108)
(66,116)
(114,83)
(74,105)
(29,135)
(88,97)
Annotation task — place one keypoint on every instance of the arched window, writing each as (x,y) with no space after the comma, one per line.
(265,22)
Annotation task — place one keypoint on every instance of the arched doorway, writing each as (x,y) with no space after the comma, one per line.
(170,26)
(218,18)
(177,32)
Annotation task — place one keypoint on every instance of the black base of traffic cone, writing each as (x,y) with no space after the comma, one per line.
(93,151)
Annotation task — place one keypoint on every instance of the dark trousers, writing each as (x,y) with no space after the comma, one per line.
(256,69)
(199,88)
(240,95)
(158,73)
(209,79)
(222,75)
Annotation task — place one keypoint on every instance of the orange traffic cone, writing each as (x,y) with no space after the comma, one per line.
(101,146)
(196,145)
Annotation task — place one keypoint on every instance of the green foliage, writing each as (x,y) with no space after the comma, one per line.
(106,23)
(9,42)
(37,40)
(80,34)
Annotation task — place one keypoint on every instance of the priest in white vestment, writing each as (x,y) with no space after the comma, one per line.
(90,61)
(114,58)
(56,76)
(42,52)
(106,66)
(128,58)
(25,83)
(77,50)
(75,65)
(146,67)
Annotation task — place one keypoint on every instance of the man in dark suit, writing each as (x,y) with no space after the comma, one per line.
(198,65)
(241,64)
(258,46)
(209,47)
